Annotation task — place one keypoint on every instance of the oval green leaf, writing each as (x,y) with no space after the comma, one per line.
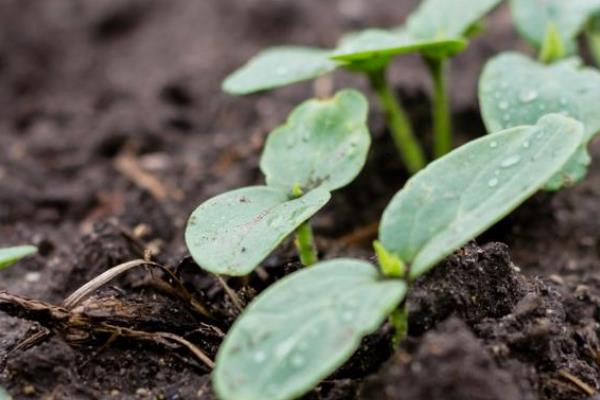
(515,90)
(438,19)
(233,232)
(460,195)
(10,255)
(323,144)
(301,329)
(534,18)
(372,47)
(279,66)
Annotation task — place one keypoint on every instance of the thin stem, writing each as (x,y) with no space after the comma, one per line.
(305,243)
(399,125)
(442,123)
(399,320)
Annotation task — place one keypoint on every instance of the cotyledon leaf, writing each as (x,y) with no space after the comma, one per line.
(323,144)
(301,329)
(370,44)
(233,232)
(11,255)
(460,195)
(516,90)
(533,18)
(279,66)
(437,19)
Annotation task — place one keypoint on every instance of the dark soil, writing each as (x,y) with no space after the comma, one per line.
(113,128)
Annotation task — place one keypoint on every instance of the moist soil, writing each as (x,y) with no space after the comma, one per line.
(113,128)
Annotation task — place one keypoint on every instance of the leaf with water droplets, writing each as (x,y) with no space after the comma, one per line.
(11,255)
(233,232)
(301,329)
(323,144)
(515,86)
(534,18)
(279,66)
(458,196)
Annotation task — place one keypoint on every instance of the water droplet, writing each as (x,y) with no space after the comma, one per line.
(347,316)
(494,144)
(497,172)
(497,95)
(259,357)
(493,182)
(503,105)
(563,101)
(281,71)
(506,117)
(529,95)
(298,360)
(542,107)
(510,161)
(526,144)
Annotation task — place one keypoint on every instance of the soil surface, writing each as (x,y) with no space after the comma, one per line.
(113,129)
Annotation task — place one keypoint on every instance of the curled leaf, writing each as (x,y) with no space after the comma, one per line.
(279,66)
(324,144)
(301,329)
(460,195)
(233,232)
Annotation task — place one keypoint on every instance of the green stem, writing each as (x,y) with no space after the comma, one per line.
(305,243)
(400,128)
(442,123)
(399,320)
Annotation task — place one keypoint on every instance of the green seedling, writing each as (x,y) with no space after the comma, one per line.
(552,26)
(593,37)
(437,30)
(305,326)
(322,147)
(515,90)
(10,255)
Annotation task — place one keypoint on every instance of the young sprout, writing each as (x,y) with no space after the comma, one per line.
(515,90)
(437,30)
(10,255)
(593,37)
(321,148)
(552,26)
(305,326)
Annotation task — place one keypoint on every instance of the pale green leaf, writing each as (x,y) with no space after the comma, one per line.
(11,255)
(323,144)
(460,195)
(532,18)
(372,47)
(279,66)
(301,329)
(439,19)
(233,232)
(515,90)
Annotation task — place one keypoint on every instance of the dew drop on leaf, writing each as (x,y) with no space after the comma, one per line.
(510,161)
(494,144)
(493,182)
(528,96)
(503,105)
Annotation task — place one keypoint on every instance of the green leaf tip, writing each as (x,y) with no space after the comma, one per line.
(460,195)
(553,48)
(516,90)
(10,255)
(232,233)
(301,329)
(279,66)
(324,144)
(391,265)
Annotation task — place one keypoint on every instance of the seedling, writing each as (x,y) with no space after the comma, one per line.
(305,326)
(322,147)
(515,90)
(437,30)
(552,26)
(10,255)
(593,37)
